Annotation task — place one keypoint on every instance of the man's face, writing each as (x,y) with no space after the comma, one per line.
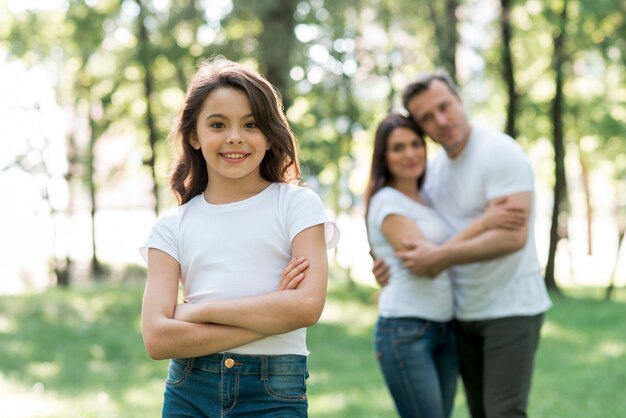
(441,115)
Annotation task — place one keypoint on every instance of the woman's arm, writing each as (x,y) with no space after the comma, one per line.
(280,311)
(397,229)
(166,337)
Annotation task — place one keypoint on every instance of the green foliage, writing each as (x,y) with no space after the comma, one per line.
(79,353)
(340,67)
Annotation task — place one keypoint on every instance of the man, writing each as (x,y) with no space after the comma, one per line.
(500,295)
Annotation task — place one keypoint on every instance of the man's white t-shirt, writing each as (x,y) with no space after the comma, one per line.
(409,295)
(240,249)
(492,165)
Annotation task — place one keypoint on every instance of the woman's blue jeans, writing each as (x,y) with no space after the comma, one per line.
(419,361)
(236,385)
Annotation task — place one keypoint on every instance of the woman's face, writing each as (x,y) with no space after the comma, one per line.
(406,154)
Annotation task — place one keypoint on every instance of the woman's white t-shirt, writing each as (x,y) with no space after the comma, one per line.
(240,249)
(409,295)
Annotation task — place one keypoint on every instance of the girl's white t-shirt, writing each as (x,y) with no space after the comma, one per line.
(240,249)
(409,295)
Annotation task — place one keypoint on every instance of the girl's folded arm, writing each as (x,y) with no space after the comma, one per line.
(279,311)
(166,337)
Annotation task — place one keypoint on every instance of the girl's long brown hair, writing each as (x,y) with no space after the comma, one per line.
(280,164)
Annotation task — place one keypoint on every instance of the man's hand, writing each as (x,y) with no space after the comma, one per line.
(293,274)
(422,258)
(502,213)
(381,272)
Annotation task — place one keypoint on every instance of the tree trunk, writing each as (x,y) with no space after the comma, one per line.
(146,61)
(96,266)
(508,68)
(611,286)
(446,34)
(587,190)
(276,44)
(559,150)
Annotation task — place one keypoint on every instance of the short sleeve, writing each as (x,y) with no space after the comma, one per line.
(164,235)
(383,204)
(509,172)
(303,209)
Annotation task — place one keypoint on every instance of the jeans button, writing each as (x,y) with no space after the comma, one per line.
(229,363)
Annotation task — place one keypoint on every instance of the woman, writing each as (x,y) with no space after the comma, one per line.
(414,337)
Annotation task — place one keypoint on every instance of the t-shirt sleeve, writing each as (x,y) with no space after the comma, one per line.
(508,171)
(382,205)
(305,209)
(164,235)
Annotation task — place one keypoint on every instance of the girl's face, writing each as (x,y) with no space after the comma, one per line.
(406,154)
(232,144)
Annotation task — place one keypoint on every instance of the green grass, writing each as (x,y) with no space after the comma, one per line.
(79,353)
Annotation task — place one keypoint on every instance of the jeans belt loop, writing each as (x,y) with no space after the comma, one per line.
(264,367)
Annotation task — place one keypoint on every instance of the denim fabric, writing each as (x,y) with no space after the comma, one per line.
(419,361)
(235,385)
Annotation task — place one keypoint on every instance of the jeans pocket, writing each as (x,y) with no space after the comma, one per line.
(408,334)
(287,386)
(178,371)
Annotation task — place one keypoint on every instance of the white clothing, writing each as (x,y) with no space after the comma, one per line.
(240,249)
(406,294)
(491,165)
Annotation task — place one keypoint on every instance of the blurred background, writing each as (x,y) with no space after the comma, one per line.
(89,90)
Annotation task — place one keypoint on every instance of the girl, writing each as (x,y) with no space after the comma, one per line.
(248,248)
(414,338)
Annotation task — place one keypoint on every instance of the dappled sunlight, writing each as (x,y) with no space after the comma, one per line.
(7,324)
(608,349)
(373,402)
(20,401)
(328,403)
(43,370)
(347,313)
(553,330)
(146,394)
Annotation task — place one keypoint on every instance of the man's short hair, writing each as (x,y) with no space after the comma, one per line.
(422,82)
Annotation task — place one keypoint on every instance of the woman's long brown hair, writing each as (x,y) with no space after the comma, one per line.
(380,176)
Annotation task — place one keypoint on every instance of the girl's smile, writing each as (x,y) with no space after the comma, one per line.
(231,142)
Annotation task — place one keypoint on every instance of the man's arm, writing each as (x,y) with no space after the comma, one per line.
(498,215)
(428,259)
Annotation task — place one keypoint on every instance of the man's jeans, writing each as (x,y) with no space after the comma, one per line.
(237,385)
(419,361)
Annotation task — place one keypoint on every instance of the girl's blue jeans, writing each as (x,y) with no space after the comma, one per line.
(419,361)
(235,385)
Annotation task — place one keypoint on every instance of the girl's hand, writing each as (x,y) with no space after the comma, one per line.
(184,312)
(504,216)
(293,273)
